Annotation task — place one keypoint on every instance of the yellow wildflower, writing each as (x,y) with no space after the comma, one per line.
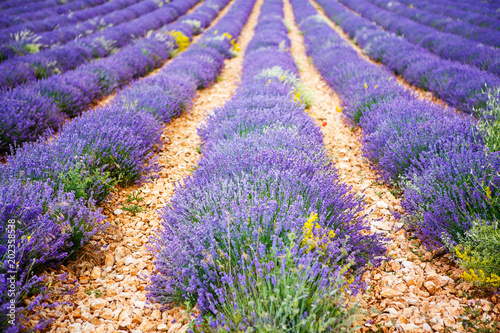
(472,275)
(366,87)
(309,237)
(181,39)
(488,192)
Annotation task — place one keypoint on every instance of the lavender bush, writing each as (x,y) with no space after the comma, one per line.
(14,3)
(460,85)
(53,23)
(443,23)
(47,225)
(62,180)
(440,158)
(101,44)
(31,12)
(264,189)
(26,41)
(445,45)
(451,10)
(74,91)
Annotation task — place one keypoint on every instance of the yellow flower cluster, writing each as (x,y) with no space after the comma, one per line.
(488,192)
(236,46)
(473,276)
(349,282)
(296,96)
(181,39)
(308,229)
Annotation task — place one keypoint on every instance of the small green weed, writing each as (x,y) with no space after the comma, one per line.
(134,197)
(96,292)
(396,193)
(133,209)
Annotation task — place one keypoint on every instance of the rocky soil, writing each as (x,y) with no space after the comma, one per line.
(414,291)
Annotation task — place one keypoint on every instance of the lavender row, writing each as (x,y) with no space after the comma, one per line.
(60,59)
(29,12)
(69,27)
(438,157)
(61,180)
(452,11)
(30,110)
(6,4)
(445,45)
(442,23)
(15,7)
(461,86)
(264,211)
(474,7)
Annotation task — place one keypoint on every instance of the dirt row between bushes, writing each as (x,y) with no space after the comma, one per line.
(112,269)
(416,290)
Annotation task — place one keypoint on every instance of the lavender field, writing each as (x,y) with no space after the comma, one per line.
(249,166)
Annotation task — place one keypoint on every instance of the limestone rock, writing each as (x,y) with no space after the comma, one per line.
(431,287)
(121,252)
(110,260)
(162,327)
(381,204)
(389,293)
(174,328)
(96,273)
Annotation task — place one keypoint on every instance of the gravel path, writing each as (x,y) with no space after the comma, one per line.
(415,290)
(110,295)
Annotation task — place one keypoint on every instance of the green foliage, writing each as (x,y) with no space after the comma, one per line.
(307,95)
(396,192)
(489,121)
(134,197)
(32,47)
(44,70)
(479,254)
(287,25)
(133,209)
(81,181)
(96,292)
(282,300)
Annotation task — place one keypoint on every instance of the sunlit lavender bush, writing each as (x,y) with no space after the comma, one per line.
(74,91)
(460,85)
(264,189)
(78,168)
(443,160)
